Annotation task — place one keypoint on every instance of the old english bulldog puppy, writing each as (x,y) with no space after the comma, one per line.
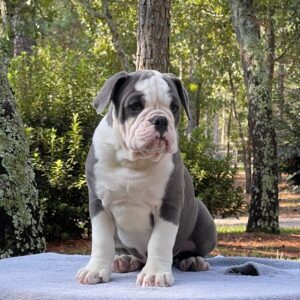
(141,196)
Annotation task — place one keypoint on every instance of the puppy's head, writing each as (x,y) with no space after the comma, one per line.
(145,111)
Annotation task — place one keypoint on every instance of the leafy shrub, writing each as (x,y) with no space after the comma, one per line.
(213,178)
(59,166)
(54,89)
(288,137)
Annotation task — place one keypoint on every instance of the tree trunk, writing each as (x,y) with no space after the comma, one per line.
(264,207)
(228,129)
(20,216)
(216,129)
(281,100)
(280,90)
(270,40)
(153,35)
(115,37)
(19,21)
(193,121)
(245,152)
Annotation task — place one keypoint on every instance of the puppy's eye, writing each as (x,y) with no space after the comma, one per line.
(174,108)
(136,106)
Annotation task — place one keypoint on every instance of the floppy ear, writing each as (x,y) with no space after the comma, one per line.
(108,90)
(182,92)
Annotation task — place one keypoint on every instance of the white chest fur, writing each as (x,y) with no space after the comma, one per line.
(130,191)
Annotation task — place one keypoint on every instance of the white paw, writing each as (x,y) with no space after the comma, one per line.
(126,263)
(149,277)
(92,276)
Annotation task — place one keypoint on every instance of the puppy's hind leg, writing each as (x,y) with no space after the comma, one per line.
(126,263)
(204,240)
(191,263)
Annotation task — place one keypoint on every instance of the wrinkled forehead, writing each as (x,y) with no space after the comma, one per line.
(154,87)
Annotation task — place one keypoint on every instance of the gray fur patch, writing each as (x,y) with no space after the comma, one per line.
(95,204)
(109,116)
(176,85)
(172,202)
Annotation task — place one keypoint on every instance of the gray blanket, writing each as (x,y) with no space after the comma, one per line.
(52,276)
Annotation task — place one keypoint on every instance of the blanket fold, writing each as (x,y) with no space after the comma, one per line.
(51,276)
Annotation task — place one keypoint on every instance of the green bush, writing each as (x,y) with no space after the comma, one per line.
(213,178)
(59,166)
(54,89)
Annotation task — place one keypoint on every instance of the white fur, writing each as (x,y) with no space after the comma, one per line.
(103,246)
(155,89)
(121,186)
(157,270)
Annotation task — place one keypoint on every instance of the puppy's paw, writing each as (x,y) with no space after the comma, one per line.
(151,277)
(193,264)
(126,263)
(88,275)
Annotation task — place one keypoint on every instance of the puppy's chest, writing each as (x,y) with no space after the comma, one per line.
(134,199)
(131,194)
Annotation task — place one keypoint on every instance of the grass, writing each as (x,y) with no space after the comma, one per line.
(231,229)
(242,228)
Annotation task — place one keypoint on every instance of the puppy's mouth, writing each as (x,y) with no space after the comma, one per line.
(158,144)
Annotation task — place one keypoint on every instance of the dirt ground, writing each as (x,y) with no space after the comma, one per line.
(286,245)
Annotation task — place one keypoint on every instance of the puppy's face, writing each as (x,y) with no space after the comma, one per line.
(145,113)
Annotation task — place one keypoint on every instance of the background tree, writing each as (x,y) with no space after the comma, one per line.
(264,207)
(21,228)
(18,19)
(153,35)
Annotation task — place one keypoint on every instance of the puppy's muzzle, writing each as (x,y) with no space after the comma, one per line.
(160,124)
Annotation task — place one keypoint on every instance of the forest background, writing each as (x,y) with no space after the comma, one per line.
(59,54)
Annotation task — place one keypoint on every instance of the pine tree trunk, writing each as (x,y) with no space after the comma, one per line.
(264,207)
(21,229)
(153,35)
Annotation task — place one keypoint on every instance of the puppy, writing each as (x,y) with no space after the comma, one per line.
(141,196)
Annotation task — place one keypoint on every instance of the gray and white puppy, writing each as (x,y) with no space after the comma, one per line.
(141,196)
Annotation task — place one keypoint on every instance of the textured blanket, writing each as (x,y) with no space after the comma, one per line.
(52,276)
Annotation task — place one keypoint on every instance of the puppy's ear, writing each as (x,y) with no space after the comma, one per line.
(182,92)
(108,90)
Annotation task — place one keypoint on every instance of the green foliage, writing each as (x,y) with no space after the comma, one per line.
(54,89)
(213,178)
(52,84)
(59,165)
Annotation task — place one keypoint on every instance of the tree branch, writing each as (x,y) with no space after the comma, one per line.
(106,16)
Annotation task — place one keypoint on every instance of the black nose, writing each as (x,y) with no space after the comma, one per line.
(160,123)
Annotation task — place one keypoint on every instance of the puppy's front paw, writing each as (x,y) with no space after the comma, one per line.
(88,275)
(155,277)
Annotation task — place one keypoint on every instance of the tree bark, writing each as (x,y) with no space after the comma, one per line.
(270,41)
(21,230)
(264,207)
(245,152)
(193,121)
(280,89)
(153,35)
(19,22)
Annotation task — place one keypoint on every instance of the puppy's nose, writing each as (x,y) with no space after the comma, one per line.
(160,123)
